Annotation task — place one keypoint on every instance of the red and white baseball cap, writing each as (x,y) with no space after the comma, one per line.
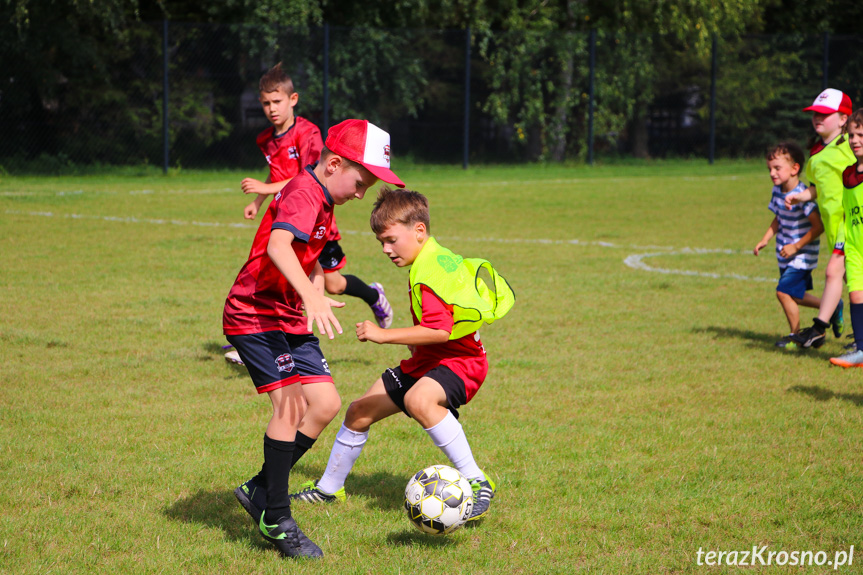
(364,143)
(830,101)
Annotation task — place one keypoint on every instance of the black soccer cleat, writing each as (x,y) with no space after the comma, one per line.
(809,337)
(253,497)
(289,539)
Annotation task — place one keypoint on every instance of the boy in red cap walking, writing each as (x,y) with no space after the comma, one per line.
(828,158)
(264,318)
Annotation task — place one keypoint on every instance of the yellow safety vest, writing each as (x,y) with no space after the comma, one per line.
(455,280)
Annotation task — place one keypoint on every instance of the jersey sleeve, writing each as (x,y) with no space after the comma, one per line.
(436,314)
(310,147)
(297,213)
(810,207)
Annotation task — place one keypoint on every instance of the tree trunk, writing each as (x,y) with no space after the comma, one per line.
(639,134)
(558,128)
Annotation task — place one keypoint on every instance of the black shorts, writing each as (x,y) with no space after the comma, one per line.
(332,257)
(397,384)
(276,359)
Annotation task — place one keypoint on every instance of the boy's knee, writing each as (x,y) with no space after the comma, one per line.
(331,410)
(358,415)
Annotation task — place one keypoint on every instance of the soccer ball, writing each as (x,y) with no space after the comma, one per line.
(438,500)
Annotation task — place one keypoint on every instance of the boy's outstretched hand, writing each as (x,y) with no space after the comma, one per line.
(370,331)
(319,312)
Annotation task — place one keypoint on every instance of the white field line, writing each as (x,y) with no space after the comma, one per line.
(419,184)
(634,261)
(30,193)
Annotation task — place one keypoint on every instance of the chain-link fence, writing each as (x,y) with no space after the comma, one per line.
(186,95)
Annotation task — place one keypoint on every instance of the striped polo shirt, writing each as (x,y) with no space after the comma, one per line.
(793,225)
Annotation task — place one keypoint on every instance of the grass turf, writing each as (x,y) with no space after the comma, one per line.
(632,415)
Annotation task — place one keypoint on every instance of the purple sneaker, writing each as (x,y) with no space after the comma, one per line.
(382,309)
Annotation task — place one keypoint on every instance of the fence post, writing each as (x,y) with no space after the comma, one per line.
(590,91)
(713,67)
(165,135)
(825,65)
(466,97)
(326,112)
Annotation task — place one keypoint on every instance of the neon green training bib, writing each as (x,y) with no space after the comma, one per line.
(455,280)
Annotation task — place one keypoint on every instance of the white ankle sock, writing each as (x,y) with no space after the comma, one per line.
(346,448)
(449,436)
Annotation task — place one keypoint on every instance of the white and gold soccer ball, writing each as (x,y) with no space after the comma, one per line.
(438,500)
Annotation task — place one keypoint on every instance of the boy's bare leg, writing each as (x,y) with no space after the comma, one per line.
(373,406)
(323,405)
(335,283)
(288,408)
(792,312)
(832,287)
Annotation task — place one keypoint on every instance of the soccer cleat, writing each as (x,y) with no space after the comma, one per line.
(787,343)
(382,309)
(289,539)
(809,337)
(310,493)
(837,320)
(851,359)
(483,491)
(234,357)
(253,497)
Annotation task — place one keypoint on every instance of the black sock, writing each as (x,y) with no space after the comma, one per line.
(354,286)
(820,326)
(261,477)
(303,443)
(857,323)
(278,456)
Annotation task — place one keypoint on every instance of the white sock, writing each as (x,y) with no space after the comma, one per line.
(449,436)
(346,448)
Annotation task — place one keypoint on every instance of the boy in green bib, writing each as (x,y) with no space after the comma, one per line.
(852,203)
(449,303)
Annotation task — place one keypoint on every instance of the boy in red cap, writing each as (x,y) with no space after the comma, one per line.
(264,318)
(828,158)
(289,145)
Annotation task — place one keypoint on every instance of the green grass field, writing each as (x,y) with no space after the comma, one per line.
(633,414)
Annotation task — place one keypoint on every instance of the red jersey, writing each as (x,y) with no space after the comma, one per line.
(464,356)
(261,298)
(288,153)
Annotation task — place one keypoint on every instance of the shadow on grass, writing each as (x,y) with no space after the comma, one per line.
(821,394)
(216,350)
(354,360)
(765,341)
(417,539)
(384,490)
(219,510)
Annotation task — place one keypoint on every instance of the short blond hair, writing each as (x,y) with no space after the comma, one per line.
(399,206)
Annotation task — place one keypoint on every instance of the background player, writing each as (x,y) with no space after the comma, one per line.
(796,229)
(828,158)
(852,202)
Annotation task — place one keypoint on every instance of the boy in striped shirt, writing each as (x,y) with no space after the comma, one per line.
(796,230)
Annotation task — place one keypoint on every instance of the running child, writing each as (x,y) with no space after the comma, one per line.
(852,202)
(828,158)
(264,317)
(448,362)
(796,229)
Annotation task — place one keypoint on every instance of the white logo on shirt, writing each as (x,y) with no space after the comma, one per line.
(293,153)
(320,233)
